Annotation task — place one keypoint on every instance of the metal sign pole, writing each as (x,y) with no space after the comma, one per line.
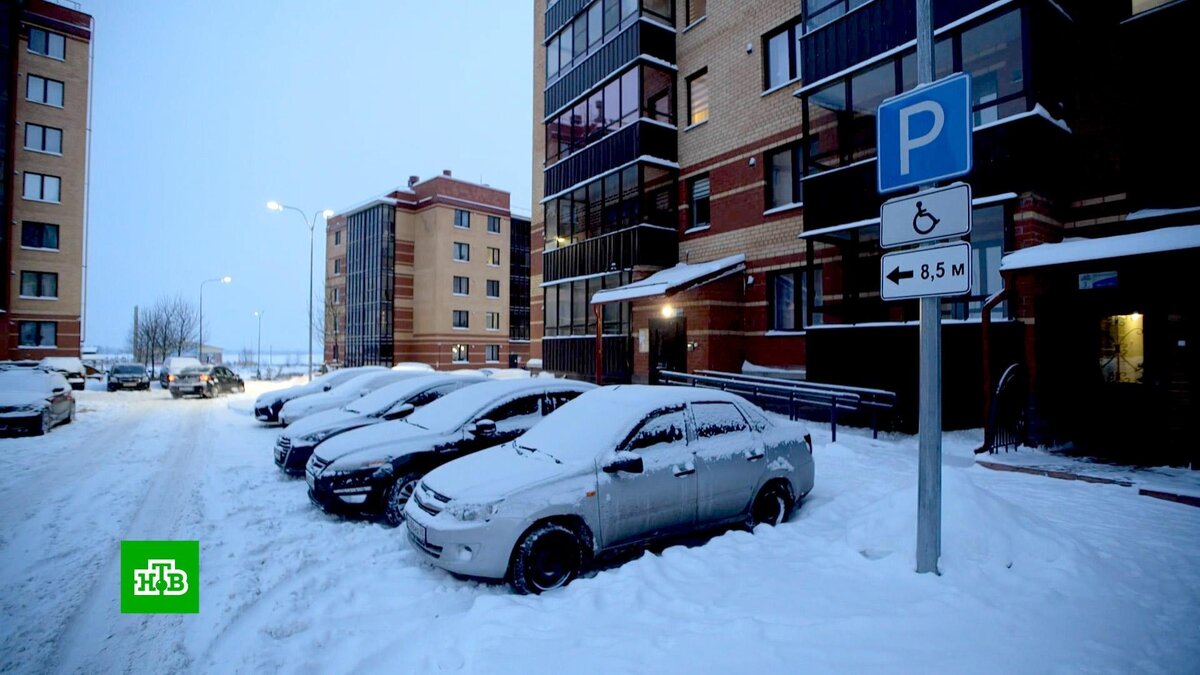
(929,483)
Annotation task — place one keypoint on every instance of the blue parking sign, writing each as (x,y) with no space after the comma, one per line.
(925,134)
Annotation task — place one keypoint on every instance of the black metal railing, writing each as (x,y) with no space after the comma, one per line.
(616,149)
(1007,422)
(638,39)
(795,399)
(576,357)
(648,245)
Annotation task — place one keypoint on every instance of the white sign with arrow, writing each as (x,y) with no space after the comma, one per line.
(934,214)
(926,272)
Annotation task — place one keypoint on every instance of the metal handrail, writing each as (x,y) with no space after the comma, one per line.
(835,397)
(871,397)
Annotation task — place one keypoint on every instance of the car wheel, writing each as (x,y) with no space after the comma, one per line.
(43,426)
(772,505)
(241,387)
(70,415)
(549,556)
(396,498)
(175,394)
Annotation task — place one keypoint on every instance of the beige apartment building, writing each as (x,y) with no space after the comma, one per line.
(422,274)
(44,66)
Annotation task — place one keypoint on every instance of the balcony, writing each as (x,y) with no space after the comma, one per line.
(612,151)
(640,245)
(870,30)
(641,37)
(576,357)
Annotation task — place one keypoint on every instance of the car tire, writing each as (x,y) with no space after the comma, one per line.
(44,424)
(772,506)
(396,497)
(241,387)
(175,394)
(70,415)
(549,556)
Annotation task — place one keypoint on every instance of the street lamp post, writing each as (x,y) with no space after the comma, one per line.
(200,342)
(258,359)
(312,223)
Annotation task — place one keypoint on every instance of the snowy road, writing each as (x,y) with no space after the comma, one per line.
(1039,575)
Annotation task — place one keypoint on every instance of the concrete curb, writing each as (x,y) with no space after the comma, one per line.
(1187,500)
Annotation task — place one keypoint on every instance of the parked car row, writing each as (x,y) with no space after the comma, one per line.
(70,367)
(34,400)
(527,480)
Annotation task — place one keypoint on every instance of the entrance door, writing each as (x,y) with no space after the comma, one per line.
(668,346)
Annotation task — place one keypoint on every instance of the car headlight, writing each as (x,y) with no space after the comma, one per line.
(316,436)
(469,512)
(350,467)
(29,407)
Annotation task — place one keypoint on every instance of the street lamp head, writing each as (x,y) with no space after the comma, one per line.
(274,205)
(328,213)
(226,280)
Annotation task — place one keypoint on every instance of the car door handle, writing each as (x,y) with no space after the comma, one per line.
(754,455)
(681,471)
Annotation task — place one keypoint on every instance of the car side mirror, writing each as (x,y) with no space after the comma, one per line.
(482,428)
(327,387)
(60,390)
(626,462)
(400,412)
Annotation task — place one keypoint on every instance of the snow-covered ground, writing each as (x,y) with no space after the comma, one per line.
(1039,575)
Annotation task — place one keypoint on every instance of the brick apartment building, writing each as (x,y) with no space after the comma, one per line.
(706,176)
(45,58)
(426,273)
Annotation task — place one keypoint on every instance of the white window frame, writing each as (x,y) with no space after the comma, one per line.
(42,176)
(45,91)
(49,34)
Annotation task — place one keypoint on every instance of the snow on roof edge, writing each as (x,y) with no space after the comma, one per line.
(668,279)
(1101,248)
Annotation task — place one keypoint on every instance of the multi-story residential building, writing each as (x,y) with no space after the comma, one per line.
(421,274)
(45,95)
(766,133)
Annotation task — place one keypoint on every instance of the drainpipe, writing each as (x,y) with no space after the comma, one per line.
(597,309)
(985,324)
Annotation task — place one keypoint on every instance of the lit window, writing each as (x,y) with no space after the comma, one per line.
(460,353)
(493,321)
(493,256)
(697,89)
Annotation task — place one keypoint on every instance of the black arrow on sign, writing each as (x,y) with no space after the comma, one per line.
(896,275)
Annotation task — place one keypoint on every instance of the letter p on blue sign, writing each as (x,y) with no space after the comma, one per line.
(925,134)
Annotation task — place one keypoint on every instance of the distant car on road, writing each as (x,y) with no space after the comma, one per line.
(356,387)
(33,401)
(652,462)
(393,402)
(268,405)
(206,382)
(373,471)
(71,368)
(128,376)
(173,366)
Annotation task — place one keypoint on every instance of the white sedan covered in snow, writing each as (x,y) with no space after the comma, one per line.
(616,467)
(350,390)
(268,405)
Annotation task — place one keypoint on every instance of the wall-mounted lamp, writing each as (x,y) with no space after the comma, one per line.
(692,345)
(668,312)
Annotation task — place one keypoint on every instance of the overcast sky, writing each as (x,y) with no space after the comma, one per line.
(205,109)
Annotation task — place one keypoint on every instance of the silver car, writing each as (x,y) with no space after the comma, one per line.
(616,467)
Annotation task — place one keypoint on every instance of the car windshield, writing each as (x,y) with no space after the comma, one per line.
(383,398)
(457,408)
(18,380)
(129,370)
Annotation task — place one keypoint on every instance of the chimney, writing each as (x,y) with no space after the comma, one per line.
(412,180)
(446,173)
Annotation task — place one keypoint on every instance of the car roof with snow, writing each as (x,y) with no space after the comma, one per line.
(30,380)
(620,407)
(65,362)
(388,395)
(456,407)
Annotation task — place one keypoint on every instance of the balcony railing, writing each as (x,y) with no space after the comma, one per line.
(641,37)
(612,151)
(641,245)
(576,356)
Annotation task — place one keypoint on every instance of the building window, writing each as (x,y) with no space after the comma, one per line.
(568,310)
(589,31)
(638,194)
(1139,6)
(696,10)
(462,218)
(460,353)
(991,53)
(337,265)
(38,333)
(39,235)
(493,224)
(493,321)
(460,318)
(698,202)
(783,179)
(335,301)
(697,91)
(41,188)
(462,285)
(788,295)
(39,285)
(47,43)
(42,90)
(337,238)
(820,12)
(493,288)
(462,252)
(987,247)
(43,139)
(491,353)
(781,56)
(493,256)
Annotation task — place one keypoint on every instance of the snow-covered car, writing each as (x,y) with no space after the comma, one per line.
(413,365)
(655,461)
(206,382)
(71,368)
(128,376)
(173,366)
(268,405)
(393,402)
(34,401)
(356,387)
(372,471)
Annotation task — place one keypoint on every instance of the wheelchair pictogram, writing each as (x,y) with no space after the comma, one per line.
(922,213)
